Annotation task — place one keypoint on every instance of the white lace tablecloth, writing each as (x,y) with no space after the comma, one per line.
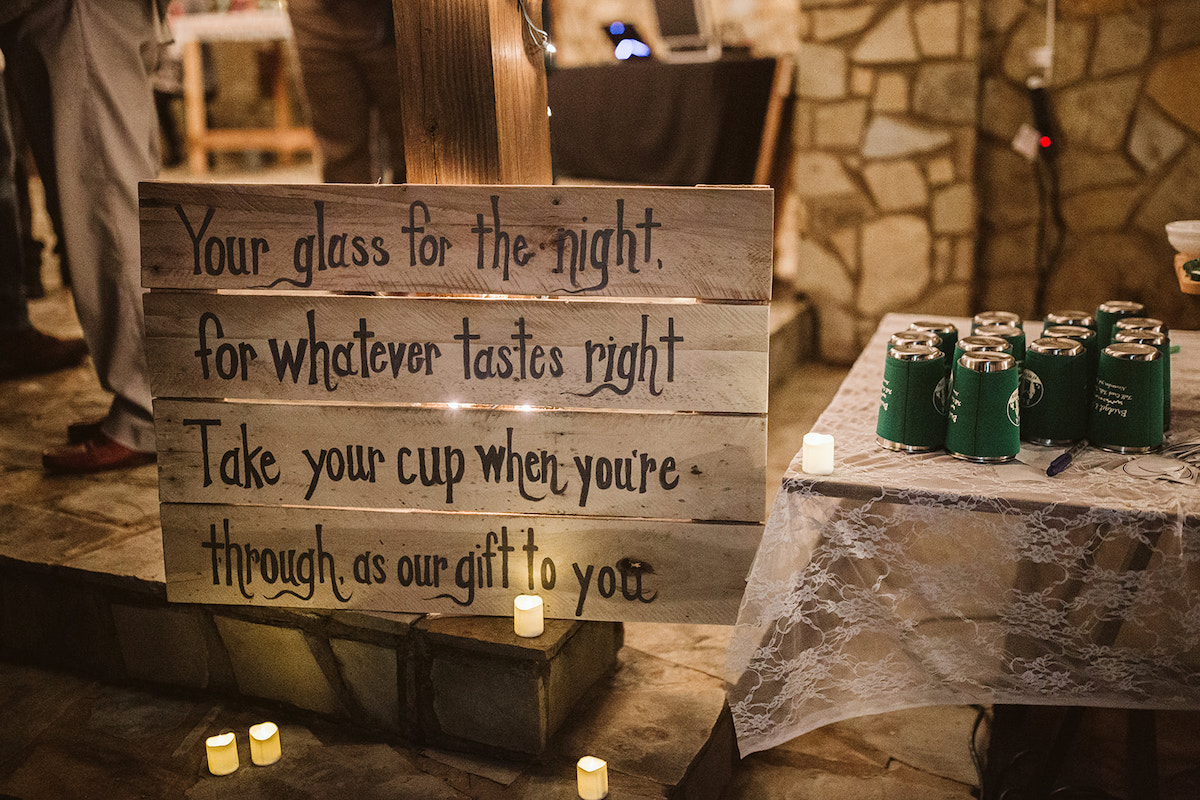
(910,580)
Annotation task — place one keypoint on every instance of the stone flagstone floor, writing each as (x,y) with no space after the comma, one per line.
(69,735)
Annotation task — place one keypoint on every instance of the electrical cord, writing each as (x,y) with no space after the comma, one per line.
(539,36)
(973,743)
(1045,167)
(1049,216)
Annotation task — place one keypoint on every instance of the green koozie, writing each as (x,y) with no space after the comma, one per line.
(1107,315)
(947,332)
(1054,395)
(996,318)
(1086,337)
(1141,324)
(984,421)
(914,337)
(1159,340)
(1010,333)
(912,405)
(981,344)
(1127,404)
(1078,319)
(977,344)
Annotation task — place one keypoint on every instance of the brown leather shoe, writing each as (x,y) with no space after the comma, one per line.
(97,454)
(31,352)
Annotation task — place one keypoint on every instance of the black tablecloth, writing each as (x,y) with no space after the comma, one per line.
(649,122)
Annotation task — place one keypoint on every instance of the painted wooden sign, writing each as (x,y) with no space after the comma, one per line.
(554,354)
(677,466)
(385,397)
(707,243)
(589,568)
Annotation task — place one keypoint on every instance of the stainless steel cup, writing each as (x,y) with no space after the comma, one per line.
(1127,403)
(984,420)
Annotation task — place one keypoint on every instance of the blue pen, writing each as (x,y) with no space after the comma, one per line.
(1063,461)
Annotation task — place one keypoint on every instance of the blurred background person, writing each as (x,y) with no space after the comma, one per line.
(81,74)
(24,350)
(347,54)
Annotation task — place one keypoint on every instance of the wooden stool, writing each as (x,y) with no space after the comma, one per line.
(284,138)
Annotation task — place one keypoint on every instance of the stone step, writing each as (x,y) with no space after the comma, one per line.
(793,334)
(466,683)
(524,709)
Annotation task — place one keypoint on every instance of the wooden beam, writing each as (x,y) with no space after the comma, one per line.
(474,92)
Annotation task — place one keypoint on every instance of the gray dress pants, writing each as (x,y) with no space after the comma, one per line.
(81,69)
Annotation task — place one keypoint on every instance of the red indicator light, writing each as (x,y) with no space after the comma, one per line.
(1044,141)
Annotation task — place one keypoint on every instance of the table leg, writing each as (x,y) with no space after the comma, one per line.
(195,124)
(283,108)
(1064,739)
(1141,743)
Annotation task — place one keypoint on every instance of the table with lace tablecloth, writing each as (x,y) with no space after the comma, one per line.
(906,580)
(269,26)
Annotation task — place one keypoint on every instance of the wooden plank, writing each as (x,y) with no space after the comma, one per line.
(669,466)
(556,354)
(706,243)
(456,563)
(781,91)
(522,97)
(474,93)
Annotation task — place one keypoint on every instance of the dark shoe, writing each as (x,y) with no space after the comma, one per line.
(80,432)
(95,455)
(31,352)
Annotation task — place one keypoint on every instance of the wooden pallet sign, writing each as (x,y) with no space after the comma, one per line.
(433,398)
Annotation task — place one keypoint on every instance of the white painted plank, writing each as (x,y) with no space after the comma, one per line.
(676,466)
(707,242)
(456,563)
(554,354)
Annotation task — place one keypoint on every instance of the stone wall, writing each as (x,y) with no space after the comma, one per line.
(877,206)
(1125,90)
(883,175)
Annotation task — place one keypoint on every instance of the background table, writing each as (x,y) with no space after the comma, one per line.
(908,580)
(650,122)
(190,30)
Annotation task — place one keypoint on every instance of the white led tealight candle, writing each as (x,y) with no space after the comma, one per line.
(528,618)
(222,753)
(817,455)
(592,778)
(264,743)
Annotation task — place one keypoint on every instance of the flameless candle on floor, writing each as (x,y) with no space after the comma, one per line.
(264,743)
(528,620)
(222,753)
(817,455)
(592,776)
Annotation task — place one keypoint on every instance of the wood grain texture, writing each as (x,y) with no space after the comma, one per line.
(662,465)
(473,95)
(574,354)
(456,563)
(522,97)
(668,466)
(707,243)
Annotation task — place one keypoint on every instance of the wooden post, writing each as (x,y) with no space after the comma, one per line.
(474,92)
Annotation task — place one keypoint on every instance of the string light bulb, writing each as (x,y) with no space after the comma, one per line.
(540,37)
